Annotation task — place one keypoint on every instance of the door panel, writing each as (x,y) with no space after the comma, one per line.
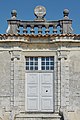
(32,91)
(46,78)
(32,104)
(32,78)
(46,104)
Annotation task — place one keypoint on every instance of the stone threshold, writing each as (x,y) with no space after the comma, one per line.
(38,115)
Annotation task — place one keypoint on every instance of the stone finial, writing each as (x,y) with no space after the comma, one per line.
(66,13)
(14,14)
(12,23)
(40,12)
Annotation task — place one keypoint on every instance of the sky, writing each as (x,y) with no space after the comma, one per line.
(54,9)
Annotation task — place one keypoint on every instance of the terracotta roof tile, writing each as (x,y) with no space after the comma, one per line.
(35,36)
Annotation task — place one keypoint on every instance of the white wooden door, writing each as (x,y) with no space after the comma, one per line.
(39,92)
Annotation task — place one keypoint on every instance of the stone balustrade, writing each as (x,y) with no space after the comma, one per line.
(39,25)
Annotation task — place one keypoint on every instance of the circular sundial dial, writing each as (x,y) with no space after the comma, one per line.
(40,11)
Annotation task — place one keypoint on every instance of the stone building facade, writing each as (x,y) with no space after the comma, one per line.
(39,70)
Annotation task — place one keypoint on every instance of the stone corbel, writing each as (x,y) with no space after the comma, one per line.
(16,56)
(13,56)
(62,55)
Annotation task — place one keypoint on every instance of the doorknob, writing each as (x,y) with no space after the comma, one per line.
(46,90)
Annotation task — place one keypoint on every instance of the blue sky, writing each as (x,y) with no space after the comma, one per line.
(25,11)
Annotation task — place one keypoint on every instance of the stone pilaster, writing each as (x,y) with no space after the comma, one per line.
(63,73)
(59,83)
(14,76)
(55,87)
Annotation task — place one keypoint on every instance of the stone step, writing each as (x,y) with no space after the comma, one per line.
(38,116)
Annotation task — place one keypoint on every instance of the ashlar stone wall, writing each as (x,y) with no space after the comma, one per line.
(74,79)
(5,80)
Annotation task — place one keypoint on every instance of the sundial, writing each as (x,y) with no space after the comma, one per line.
(40,11)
